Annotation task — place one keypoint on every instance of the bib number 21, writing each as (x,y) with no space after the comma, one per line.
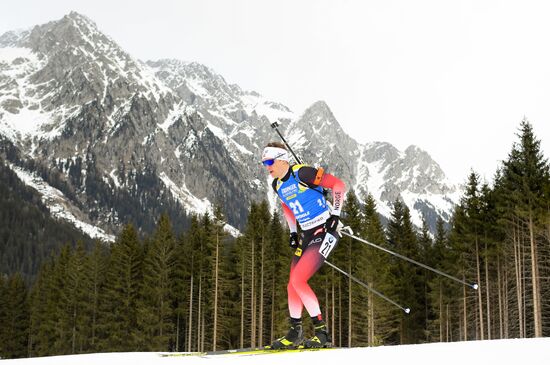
(328,245)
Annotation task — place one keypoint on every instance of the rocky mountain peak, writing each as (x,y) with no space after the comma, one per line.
(174,127)
(318,114)
(380,151)
(192,80)
(12,37)
(413,150)
(317,121)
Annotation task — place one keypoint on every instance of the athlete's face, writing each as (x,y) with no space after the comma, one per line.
(278,169)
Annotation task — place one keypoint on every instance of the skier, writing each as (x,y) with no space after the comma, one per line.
(300,189)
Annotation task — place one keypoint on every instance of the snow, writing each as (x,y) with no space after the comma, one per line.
(192,203)
(173,115)
(9,54)
(195,86)
(409,199)
(231,230)
(115,178)
(222,116)
(149,81)
(242,148)
(177,152)
(58,205)
(218,132)
(372,177)
(26,121)
(189,144)
(296,138)
(501,352)
(375,182)
(29,119)
(262,106)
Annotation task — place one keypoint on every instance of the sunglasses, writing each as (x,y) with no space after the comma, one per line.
(268,162)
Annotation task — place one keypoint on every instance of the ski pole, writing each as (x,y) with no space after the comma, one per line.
(274,125)
(473,286)
(406,310)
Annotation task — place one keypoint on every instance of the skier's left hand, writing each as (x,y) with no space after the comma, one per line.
(331,225)
(294,241)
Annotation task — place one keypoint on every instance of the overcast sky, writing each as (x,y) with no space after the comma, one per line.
(452,77)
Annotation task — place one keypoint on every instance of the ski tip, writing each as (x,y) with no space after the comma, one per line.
(407,310)
(475,286)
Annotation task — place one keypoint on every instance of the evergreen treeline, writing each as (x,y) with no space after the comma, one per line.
(203,290)
(28,234)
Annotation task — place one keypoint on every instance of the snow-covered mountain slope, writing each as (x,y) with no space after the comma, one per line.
(241,119)
(60,207)
(412,176)
(50,72)
(501,352)
(68,92)
(120,131)
(377,168)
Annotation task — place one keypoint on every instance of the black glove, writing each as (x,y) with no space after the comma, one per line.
(294,241)
(332,223)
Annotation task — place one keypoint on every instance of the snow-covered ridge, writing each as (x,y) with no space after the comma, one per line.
(20,111)
(192,203)
(59,206)
(69,75)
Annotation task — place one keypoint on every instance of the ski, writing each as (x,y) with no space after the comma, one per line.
(245,351)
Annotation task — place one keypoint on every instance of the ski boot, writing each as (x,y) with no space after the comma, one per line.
(321,337)
(293,338)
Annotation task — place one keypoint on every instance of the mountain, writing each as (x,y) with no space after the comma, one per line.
(377,168)
(77,105)
(124,140)
(30,235)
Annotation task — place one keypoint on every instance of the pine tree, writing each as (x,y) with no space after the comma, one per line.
(60,304)
(405,277)
(377,273)
(425,244)
(524,180)
(4,308)
(256,235)
(440,297)
(465,241)
(94,267)
(75,297)
(189,267)
(155,307)
(181,285)
(253,267)
(206,283)
(219,236)
(356,265)
(278,256)
(121,293)
(42,317)
(14,318)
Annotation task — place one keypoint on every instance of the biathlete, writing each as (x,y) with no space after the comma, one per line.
(300,189)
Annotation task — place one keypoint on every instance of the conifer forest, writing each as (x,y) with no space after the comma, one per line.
(205,290)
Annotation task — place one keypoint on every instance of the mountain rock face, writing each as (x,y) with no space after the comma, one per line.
(125,140)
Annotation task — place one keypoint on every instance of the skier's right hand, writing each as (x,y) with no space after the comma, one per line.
(294,240)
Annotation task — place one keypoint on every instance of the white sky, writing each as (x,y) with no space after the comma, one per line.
(453,77)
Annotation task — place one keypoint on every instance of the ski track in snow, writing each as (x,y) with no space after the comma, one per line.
(501,352)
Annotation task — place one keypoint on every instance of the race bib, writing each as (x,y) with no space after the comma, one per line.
(328,245)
